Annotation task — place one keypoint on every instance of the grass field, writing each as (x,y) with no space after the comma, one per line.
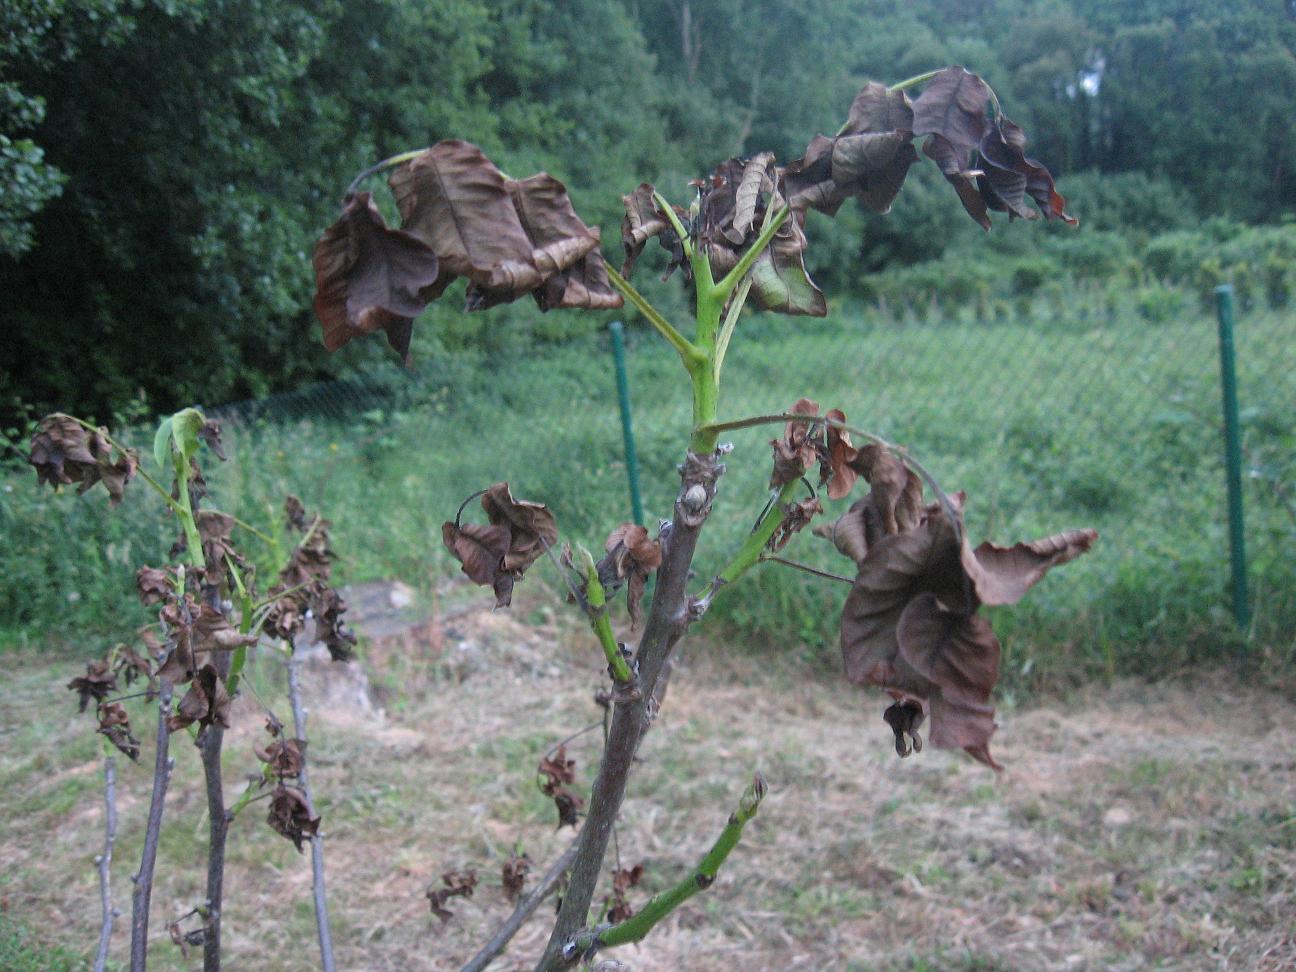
(1136,826)
(1075,410)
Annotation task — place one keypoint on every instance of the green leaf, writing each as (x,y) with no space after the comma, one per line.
(162,443)
(185,426)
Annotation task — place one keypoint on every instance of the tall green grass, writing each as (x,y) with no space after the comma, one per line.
(1062,412)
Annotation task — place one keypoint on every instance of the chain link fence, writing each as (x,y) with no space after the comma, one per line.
(1084,409)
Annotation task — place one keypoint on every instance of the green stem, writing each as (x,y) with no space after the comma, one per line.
(735,307)
(185,514)
(634,929)
(730,322)
(685,240)
(267,774)
(689,353)
(596,597)
(916,80)
(252,530)
(726,286)
(750,552)
(387,163)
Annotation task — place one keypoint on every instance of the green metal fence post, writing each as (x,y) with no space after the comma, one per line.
(1232,454)
(627,430)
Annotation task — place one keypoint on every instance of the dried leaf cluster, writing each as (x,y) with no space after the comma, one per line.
(65,452)
(558,771)
(460,217)
(978,150)
(304,590)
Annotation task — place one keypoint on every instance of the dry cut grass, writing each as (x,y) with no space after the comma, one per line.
(1136,827)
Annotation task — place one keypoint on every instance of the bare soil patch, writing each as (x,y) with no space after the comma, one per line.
(1136,827)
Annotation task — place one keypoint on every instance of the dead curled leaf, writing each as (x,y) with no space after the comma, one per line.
(207,702)
(290,815)
(285,757)
(910,624)
(558,770)
(457,884)
(499,554)
(63,452)
(460,217)
(114,723)
(631,557)
(616,908)
(95,684)
(513,875)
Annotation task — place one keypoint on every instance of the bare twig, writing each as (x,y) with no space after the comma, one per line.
(317,844)
(827,574)
(209,743)
(504,934)
(104,862)
(162,768)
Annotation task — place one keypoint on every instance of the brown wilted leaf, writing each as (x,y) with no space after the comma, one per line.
(631,557)
(96,683)
(558,768)
(513,875)
(853,531)
(130,665)
(64,452)
(479,548)
(835,468)
(285,757)
(370,277)
(290,815)
(569,806)
(1009,176)
(732,209)
(211,434)
(867,160)
(498,555)
(207,702)
(531,526)
(960,174)
(643,220)
(295,513)
(1002,575)
(584,286)
(616,908)
(458,884)
(155,584)
(905,717)
(216,532)
(796,451)
(910,625)
(953,105)
(507,237)
(114,723)
(796,517)
(896,494)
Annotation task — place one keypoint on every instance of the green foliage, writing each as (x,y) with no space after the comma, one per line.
(162,220)
(19,952)
(392,458)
